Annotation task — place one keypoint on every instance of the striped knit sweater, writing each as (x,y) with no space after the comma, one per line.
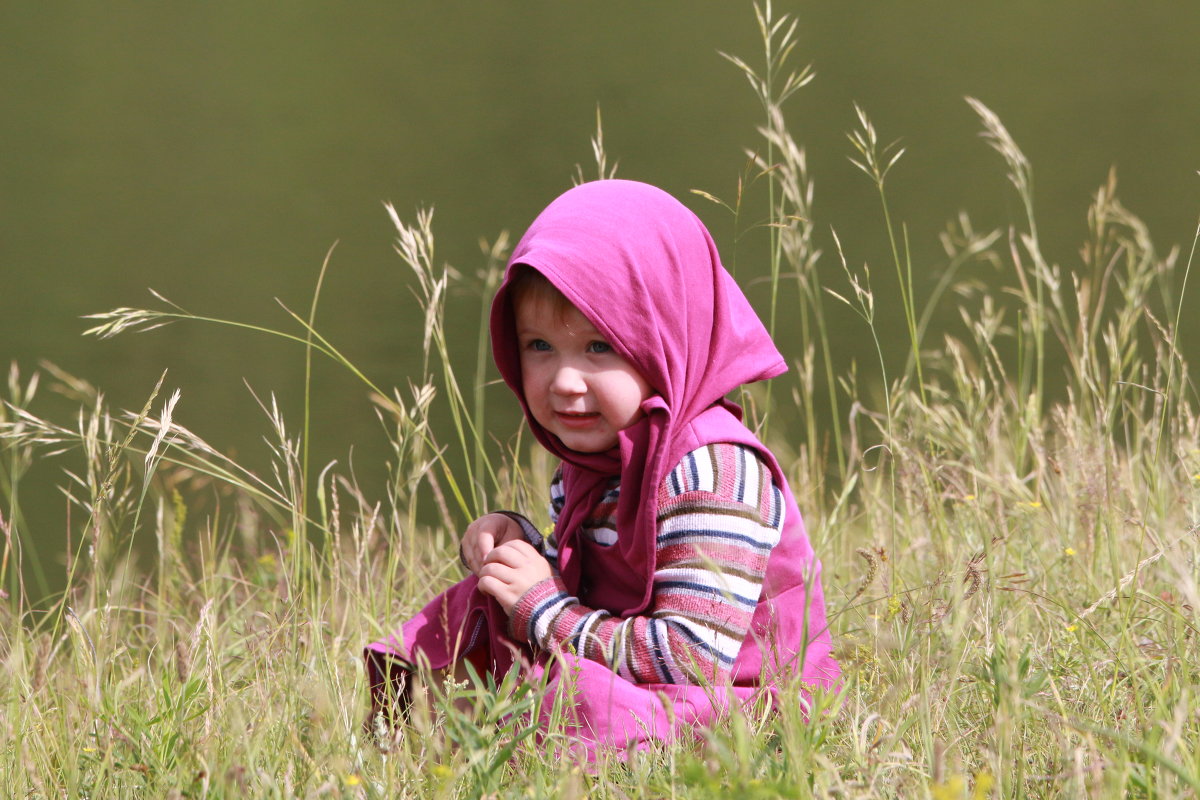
(719,516)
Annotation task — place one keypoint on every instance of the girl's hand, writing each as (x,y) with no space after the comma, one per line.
(485,533)
(510,570)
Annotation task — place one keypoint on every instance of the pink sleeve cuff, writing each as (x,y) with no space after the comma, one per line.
(524,612)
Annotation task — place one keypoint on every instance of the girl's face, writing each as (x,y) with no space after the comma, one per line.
(577,387)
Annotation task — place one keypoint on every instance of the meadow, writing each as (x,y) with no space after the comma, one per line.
(1008,520)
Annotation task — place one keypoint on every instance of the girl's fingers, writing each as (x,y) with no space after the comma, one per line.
(490,586)
(496,571)
(499,589)
(501,557)
(514,553)
(477,542)
(509,572)
(484,544)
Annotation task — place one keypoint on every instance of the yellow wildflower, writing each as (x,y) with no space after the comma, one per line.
(353,780)
(955,787)
(952,789)
(1069,551)
(1072,628)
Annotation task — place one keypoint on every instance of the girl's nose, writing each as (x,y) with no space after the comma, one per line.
(568,381)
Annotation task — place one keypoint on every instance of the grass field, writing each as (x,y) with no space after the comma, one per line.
(1010,547)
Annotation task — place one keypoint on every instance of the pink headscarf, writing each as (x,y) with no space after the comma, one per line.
(644,270)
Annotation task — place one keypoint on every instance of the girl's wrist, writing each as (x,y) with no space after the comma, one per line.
(522,615)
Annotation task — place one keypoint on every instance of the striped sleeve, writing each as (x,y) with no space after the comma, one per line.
(720,514)
(557,496)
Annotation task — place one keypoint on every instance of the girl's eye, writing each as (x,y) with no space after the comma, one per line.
(599,346)
(538,345)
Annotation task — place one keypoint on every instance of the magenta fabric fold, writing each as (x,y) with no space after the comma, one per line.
(645,271)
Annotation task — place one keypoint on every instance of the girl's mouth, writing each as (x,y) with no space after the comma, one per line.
(577,419)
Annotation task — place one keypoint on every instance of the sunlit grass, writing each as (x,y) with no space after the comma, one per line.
(1011,571)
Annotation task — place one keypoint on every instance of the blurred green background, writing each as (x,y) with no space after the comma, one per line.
(216,151)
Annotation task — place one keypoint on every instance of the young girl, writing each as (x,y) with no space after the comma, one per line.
(678,577)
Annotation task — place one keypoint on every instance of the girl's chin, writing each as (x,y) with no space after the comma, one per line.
(592,450)
(587,444)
